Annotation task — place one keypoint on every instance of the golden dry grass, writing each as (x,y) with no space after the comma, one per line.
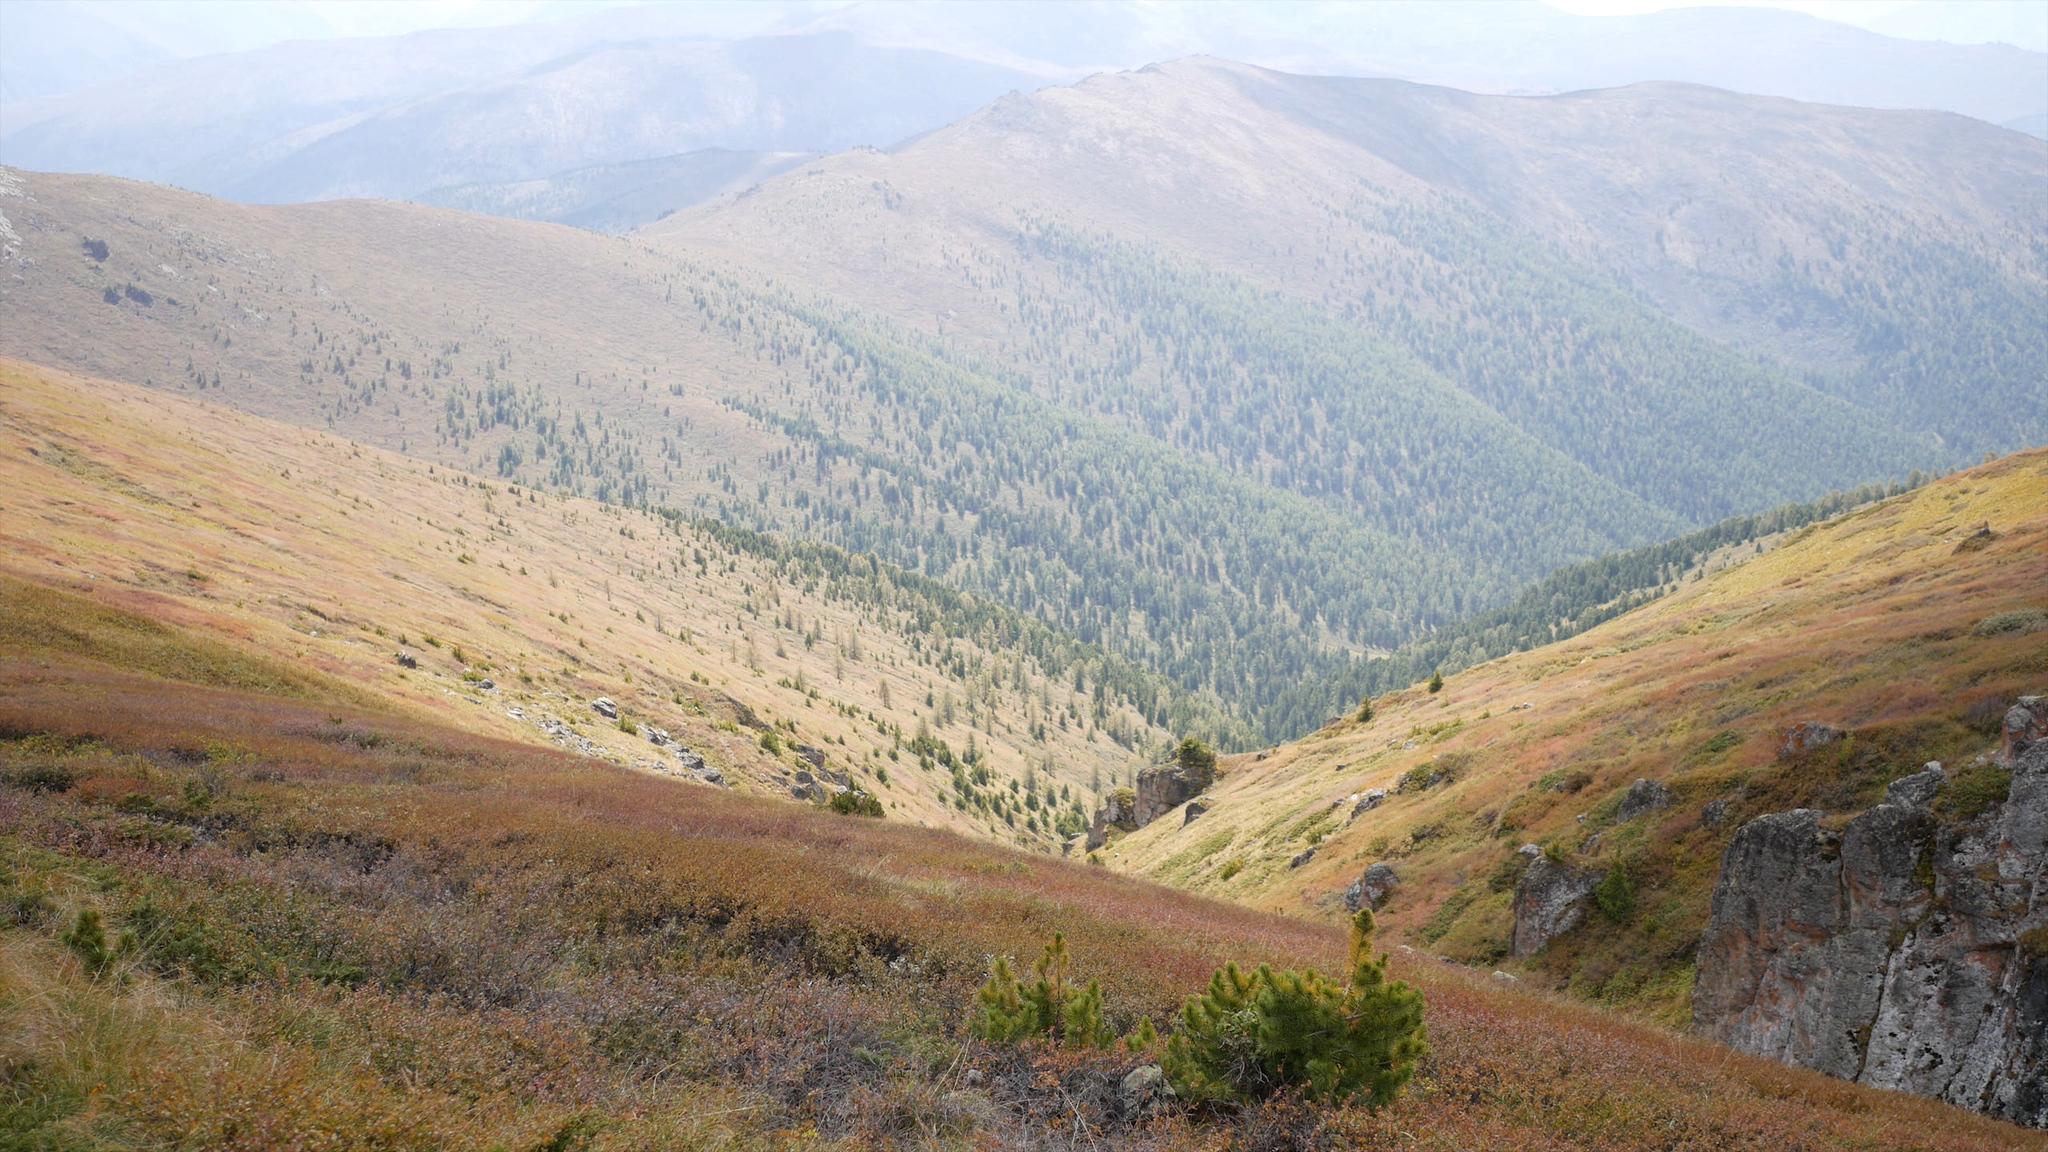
(1867,623)
(370,930)
(308,554)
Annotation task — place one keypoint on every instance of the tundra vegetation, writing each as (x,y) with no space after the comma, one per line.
(248,909)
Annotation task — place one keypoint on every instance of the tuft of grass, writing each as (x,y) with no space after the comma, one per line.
(1973,792)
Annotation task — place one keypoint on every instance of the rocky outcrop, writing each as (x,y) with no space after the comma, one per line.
(690,764)
(1644,797)
(1550,900)
(1904,951)
(1368,800)
(1118,811)
(1919,789)
(1164,787)
(1372,888)
(1195,810)
(2026,724)
(1805,738)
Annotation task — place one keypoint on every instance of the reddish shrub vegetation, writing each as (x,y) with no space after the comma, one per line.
(346,922)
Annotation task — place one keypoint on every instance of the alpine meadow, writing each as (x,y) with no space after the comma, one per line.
(874,575)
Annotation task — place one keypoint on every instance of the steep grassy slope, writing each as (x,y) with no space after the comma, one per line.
(324,925)
(447,337)
(1911,624)
(330,557)
(1670,284)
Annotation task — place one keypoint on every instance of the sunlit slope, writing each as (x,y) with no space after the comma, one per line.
(333,557)
(328,918)
(1911,624)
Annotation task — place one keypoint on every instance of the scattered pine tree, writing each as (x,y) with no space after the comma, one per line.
(1252,1035)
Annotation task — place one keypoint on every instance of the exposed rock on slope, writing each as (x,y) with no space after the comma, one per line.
(1164,787)
(1908,950)
(1550,900)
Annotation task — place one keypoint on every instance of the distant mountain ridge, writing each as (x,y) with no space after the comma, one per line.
(399,116)
(1220,369)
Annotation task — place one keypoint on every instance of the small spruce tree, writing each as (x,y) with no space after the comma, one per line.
(1253,1035)
(87,939)
(1365,711)
(1436,682)
(1616,894)
(1049,1006)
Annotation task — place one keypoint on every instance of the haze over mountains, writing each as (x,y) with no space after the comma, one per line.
(420,116)
(1239,374)
(1549,491)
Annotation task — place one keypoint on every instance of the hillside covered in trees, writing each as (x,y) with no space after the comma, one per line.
(1247,406)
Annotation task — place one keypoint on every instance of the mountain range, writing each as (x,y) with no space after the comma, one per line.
(1243,376)
(414,116)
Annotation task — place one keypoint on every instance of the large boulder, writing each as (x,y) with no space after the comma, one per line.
(1904,951)
(1372,888)
(1644,797)
(604,706)
(1550,900)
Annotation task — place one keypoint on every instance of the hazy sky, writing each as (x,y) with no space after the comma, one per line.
(2023,23)
(2020,22)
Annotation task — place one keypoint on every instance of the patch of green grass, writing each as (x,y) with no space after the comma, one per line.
(1973,792)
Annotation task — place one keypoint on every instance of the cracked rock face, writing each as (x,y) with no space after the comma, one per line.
(1901,952)
(1550,900)
(1162,788)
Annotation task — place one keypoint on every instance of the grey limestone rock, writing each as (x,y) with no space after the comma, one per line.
(1903,952)
(2026,724)
(1145,1089)
(1917,790)
(1550,900)
(1644,797)
(1803,738)
(604,707)
(1302,859)
(1370,799)
(1119,811)
(1372,887)
(1162,788)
